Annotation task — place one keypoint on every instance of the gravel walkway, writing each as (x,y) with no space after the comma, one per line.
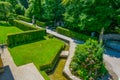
(25,72)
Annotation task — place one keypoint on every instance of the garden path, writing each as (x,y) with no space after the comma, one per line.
(25,72)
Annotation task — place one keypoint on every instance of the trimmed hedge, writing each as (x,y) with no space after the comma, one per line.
(72,34)
(41,24)
(24,26)
(25,37)
(23,18)
(29,20)
(51,65)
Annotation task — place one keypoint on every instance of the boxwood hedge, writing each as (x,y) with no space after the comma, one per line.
(24,26)
(23,18)
(25,37)
(72,34)
(29,20)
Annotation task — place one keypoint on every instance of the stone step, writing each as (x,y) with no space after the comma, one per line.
(64,54)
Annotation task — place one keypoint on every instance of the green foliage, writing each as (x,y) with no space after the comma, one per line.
(34,9)
(19,9)
(20,17)
(24,26)
(53,10)
(38,23)
(5,10)
(89,15)
(24,3)
(13,2)
(41,24)
(88,61)
(72,34)
(118,19)
(25,37)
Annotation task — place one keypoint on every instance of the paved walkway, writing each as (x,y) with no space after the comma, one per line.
(25,72)
(114,65)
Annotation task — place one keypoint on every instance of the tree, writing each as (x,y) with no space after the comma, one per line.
(53,11)
(13,2)
(24,3)
(90,15)
(5,10)
(19,9)
(34,9)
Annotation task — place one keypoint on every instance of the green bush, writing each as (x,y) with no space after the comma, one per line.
(50,66)
(29,20)
(41,24)
(23,18)
(11,21)
(88,61)
(118,19)
(24,26)
(25,37)
(72,34)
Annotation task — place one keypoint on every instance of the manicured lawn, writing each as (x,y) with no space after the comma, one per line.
(4,30)
(39,53)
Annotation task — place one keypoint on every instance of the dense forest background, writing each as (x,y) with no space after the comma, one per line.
(77,15)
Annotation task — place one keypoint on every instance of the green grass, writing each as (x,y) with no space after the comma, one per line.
(7,29)
(39,53)
(58,73)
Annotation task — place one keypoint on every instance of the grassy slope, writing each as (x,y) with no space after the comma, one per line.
(39,53)
(4,30)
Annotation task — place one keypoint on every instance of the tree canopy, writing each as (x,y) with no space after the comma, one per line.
(5,10)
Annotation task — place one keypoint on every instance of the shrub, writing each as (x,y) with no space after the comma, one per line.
(41,24)
(72,34)
(88,61)
(24,26)
(11,21)
(29,20)
(23,18)
(118,19)
(25,37)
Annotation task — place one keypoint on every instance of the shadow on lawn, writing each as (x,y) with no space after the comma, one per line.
(7,74)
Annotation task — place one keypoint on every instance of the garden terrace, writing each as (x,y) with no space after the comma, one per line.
(40,53)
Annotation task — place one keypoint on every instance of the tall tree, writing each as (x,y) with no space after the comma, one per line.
(89,15)
(34,9)
(24,3)
(5,10)
(53,10)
